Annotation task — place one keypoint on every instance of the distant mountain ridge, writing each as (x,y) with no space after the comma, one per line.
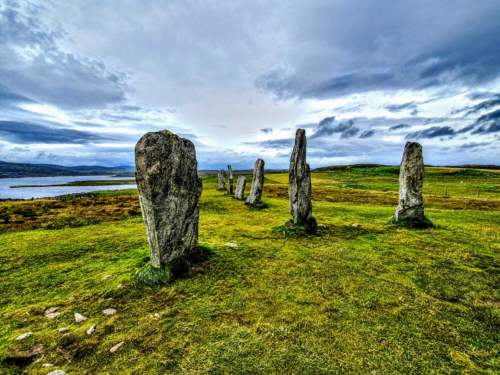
(13,170)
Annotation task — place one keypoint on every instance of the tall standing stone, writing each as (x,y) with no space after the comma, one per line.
(221,180)
(230,186)
(299,184)
(241,183)
(169,190)
(410,209)
(254,199)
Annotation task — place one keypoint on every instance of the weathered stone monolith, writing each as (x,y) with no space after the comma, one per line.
(410,210)
(221,180)
(254,199)
(230,186)
(241,183)
(299,184)
(169,190)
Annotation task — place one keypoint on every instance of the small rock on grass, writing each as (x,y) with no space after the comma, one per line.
(109,311)
(232,245)
(107,277)
(52,312)
(79,318)
(63,329)
(116,347)
(47,365)
(92,329)
(57,372)
(23,336)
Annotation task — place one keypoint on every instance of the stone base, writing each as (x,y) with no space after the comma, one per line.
(257,206)
(191,262)
(297,230)
(421,223)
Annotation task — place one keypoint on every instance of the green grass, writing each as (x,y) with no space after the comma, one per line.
(361,296)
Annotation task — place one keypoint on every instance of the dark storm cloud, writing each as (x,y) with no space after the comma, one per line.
(399,126)
(273,143)
(413,45)
(487,124)
(32,63)
(473,145)
(432,132)
(351,132)
(329,126)
(490,103)
(8,98)
(367,134)
(481,95)
(28,133)
(401,107)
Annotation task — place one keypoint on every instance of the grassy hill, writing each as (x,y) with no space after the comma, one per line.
(364,296)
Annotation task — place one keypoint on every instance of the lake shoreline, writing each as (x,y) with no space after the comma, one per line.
(50,187)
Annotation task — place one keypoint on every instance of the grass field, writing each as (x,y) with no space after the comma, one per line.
(363,296)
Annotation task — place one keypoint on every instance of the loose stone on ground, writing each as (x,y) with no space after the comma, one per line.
(80,318)
(92,329)
(52,312)
(115,348)
(24,336)
(109,311)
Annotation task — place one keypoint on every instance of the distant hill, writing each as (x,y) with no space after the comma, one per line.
(11,170)
(354,166)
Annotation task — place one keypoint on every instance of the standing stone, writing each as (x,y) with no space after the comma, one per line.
(410,209)
(169,190)
(230,180)
(254,199)
(299,184)
(241,183)
(221,180)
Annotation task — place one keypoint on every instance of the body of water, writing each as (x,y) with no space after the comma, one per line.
(7,192)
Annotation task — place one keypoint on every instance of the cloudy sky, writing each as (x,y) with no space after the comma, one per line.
(81,81)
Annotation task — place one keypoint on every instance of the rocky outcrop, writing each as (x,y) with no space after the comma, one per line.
(241,183)
(254,199)
(410,210)
(169,191)
(221,180)
(299,184)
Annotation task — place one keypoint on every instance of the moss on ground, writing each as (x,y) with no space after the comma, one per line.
(361,296)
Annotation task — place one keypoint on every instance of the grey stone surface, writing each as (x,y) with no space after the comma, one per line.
(257,184)
(299,184)
(411,181)
(115,348)
(52,312)
(241,183)
(92,329)
(230,186)
(109,311)
(169,192)
(23,336)
(57,372)
(221,180)
(80,318)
